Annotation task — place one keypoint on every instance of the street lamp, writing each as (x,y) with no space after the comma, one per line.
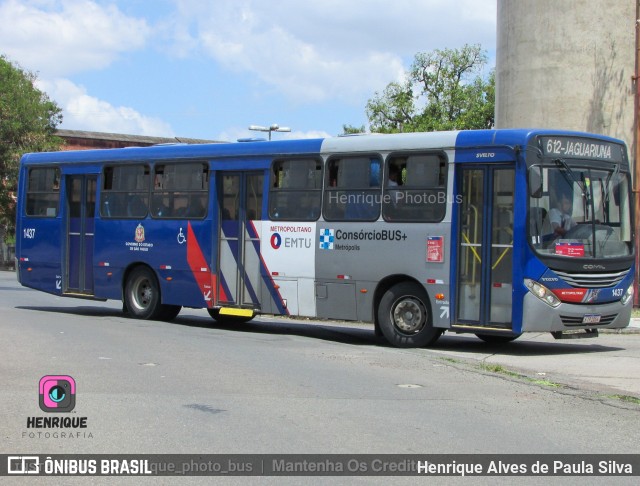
(273,128)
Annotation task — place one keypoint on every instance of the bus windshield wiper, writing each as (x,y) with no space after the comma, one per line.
(610,178)
(568,171)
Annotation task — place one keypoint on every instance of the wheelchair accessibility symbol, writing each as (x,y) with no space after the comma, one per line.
(181,237)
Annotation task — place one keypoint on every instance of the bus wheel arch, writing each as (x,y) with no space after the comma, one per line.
(403,313)
(142,295)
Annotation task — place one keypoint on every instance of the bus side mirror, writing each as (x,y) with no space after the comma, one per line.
(535,182)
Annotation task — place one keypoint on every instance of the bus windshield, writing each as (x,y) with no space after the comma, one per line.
(579,211)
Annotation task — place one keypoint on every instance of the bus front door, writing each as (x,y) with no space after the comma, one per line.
(238,272)
(485,248)
(81,208)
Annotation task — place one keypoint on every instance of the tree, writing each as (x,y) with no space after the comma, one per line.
(443,90)
(352,130)
(28,119)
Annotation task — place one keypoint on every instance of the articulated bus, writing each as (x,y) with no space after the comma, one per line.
(490,232)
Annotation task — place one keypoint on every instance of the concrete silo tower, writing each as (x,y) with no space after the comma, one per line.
(567,64)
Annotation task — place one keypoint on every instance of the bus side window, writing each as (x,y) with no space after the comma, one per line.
(43,192)
(197,207)
(110,206)
(296,190)
(136,206)
(415,188)
(180,190)
(125,191)
(353,189)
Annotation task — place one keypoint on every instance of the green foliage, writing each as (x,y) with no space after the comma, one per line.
(351,130)
(443,90)
(28,119)
(625,398)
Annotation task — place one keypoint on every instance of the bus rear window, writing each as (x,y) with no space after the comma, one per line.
(296,190)
(125,191)
(415,188)
(43,192)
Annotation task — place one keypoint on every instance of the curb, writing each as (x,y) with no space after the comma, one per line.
(634,323)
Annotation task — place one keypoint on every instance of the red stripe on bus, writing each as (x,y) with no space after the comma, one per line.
(200,269)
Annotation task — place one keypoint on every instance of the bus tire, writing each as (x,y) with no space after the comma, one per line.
(404,317)
(495,339)
(142,294)
(169,312)
(215,314)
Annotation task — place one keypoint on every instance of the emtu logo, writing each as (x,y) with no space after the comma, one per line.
(276,241)
(57,393)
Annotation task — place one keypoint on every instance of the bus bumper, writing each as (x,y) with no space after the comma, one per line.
(538,316)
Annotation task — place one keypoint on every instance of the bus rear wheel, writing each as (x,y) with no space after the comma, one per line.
(142,296)
(169,312)
(404,317)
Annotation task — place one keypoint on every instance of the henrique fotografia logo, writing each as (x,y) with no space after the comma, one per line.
(57,393)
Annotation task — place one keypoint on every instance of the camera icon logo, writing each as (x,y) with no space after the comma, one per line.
(57,393)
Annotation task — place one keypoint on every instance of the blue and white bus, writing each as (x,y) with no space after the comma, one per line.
(491,232)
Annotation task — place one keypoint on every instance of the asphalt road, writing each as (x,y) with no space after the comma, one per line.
(283,386)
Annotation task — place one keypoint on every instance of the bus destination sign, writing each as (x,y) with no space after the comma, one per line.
(581,148)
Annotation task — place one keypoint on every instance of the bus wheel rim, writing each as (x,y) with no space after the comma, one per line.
(408,315)
(142,294)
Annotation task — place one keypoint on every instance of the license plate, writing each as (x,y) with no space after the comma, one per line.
(591,319)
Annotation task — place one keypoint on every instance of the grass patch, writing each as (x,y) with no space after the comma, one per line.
(492,368)
(635,312)
(624,398)
(450,360)
(500,369)
(545,383)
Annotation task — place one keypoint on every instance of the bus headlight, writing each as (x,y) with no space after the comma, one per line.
(627,295)
(542,292)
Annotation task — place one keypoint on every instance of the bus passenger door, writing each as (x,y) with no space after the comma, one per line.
(238,272)
(81,208)
(484,279)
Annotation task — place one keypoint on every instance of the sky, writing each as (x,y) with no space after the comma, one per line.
(208,69)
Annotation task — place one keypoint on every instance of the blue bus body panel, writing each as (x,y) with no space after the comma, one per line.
(496,146)
(165,248)
(177,152)
(477,149)
(181,252)
(40,255)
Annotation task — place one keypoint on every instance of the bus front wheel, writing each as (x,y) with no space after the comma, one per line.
(142,296)
(404,317)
